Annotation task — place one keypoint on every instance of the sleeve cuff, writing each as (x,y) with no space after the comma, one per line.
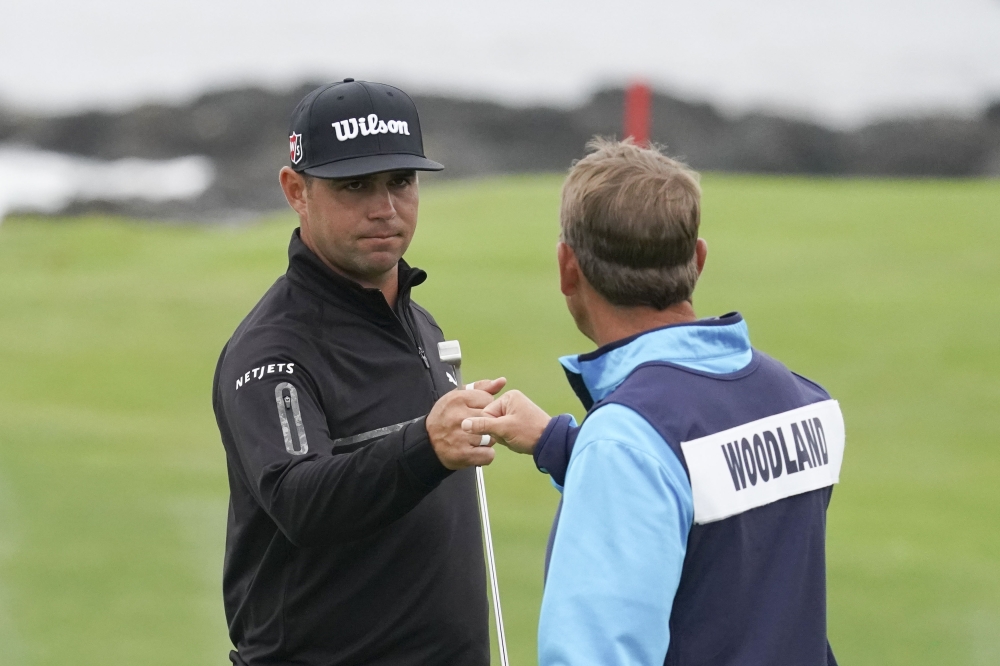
(419,458)
(552,452)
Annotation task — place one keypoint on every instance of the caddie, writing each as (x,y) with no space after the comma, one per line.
(692,526)
(353,534)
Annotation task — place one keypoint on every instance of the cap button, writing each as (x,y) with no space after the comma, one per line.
(348,80)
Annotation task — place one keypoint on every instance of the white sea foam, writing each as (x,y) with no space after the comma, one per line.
(40,181)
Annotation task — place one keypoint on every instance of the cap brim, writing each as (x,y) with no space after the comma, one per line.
(369,164)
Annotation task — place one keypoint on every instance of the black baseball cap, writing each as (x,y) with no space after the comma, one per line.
(356,128)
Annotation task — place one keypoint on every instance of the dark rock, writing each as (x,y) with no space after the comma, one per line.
(244,132)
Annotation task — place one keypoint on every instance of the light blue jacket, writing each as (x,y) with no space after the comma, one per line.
(627,508)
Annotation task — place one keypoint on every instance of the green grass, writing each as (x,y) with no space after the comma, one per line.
(112,479)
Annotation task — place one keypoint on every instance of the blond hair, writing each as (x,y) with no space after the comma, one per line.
(631,215)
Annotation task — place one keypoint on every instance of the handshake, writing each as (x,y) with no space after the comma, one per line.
(459,419)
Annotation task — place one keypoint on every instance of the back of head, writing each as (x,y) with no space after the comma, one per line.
(631,215)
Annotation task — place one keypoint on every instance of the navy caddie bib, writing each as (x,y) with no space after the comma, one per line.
(762,448)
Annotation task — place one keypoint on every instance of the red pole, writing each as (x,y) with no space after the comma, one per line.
(637,112)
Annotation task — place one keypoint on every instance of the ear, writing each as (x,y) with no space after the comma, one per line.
(701,252)
(569,269)
(294,187)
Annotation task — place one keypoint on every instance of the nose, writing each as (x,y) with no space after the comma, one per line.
(382,206)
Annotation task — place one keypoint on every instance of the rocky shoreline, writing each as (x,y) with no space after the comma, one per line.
(243,133)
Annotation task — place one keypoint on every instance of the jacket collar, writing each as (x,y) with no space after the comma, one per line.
(718,345)
(309,272)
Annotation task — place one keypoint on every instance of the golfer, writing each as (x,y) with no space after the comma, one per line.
(353,533)
(693,516)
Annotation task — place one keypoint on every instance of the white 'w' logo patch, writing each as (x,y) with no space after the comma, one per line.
(348,129)
(765,460)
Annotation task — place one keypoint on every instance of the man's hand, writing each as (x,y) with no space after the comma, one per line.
(491,386)
(454,447)
(513,420)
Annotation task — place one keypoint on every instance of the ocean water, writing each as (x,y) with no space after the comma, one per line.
(842,63)
(39,181)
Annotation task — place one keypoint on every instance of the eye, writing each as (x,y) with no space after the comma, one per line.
(402,180)
(355,185)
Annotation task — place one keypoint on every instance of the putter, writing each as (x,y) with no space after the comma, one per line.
(451,353)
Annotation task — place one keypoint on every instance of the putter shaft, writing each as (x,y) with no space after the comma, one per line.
(484,518)
(484,515)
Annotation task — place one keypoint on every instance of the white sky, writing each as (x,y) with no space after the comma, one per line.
(842,62)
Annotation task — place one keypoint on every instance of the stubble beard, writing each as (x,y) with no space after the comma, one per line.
(371,267)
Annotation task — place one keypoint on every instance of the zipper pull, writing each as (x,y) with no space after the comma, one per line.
(423,357)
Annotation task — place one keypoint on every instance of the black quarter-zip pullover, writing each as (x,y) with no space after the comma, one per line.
(347,541)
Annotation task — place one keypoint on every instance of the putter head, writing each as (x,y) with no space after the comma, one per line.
(450,352)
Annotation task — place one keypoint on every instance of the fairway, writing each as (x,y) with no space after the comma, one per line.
(113,490)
